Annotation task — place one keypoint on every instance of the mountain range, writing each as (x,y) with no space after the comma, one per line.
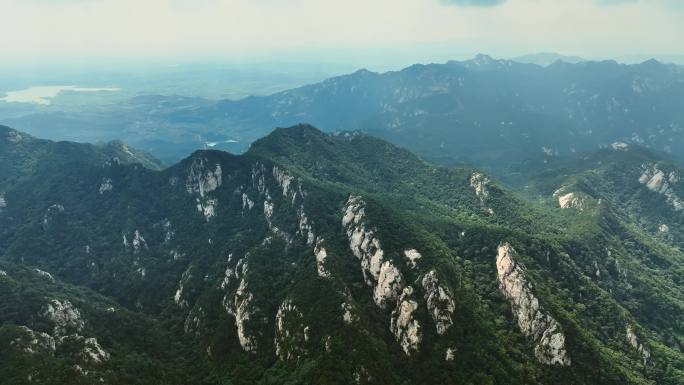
(338,258)
(547,58)
(482,112)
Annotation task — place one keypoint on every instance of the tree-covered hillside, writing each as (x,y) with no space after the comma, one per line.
(321,259)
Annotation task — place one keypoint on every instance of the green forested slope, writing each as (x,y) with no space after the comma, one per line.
(318,258)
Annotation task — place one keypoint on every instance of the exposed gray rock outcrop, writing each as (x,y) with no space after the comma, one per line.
(450,354)
(193,321)
(14,136)
(136,244)
(31,341)
(620,146)
(268,210)
(348,313)
(93,352)
(293,192)
(50,213)
(246,202)
(176,254)
(636,344)
(662,182)
(241,305)
(291,334)
(178,296)
(413,256)
(390,283)
(440,302)
(480,184)
(45,275)
(64,316)
(207,207)
(404,325)
(321,257)
(202,178)
(243,313)
(382,275)
(106,185)
(534,322)
(305,227)
(259,177)
(568,200)
(361,376)
(90,350)
(139,242)
(168,230)
(285,181)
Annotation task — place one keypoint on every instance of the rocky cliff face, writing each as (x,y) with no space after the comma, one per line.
(569,199)
(637,345)
(389,285)
(544,331)
(14,136)
(662,182)
(31,341)
(440,302)
(201,180)
(66,337)
(404,325)
(64,316)
(321,257)
(105,186)
(481,185)
(240,305)
(282,197)
(291,333)
(381,274)
(203,177)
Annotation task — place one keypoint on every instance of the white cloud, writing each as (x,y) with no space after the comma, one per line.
(244,27)
(474,3)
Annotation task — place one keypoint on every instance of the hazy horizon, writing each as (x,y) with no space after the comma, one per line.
(380,35)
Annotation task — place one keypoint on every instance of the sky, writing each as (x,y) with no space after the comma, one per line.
(374,31)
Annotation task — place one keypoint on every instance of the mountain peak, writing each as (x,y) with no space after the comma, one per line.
(485,62)
(651,64)
(482,59)
(300,130)
(12,135)
(364,71)
(287,139)
(547,58)
(125,152)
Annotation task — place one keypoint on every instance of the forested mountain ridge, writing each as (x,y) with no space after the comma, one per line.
(21,153)
(643,186)
(482,112)
(324,258)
